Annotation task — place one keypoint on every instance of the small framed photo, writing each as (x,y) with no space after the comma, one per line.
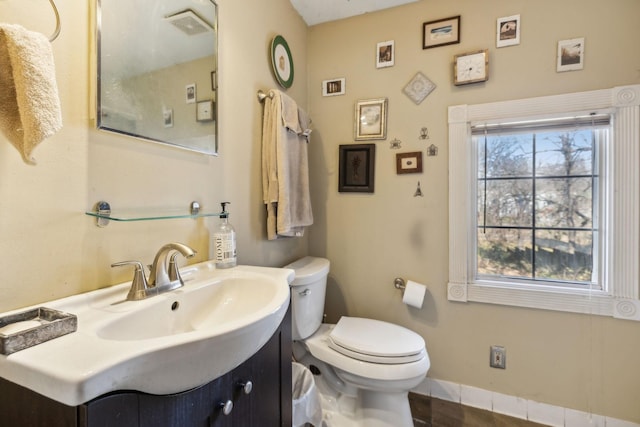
(204,111)
(357,164)
(190,93)
(371,119)
(385,54)
(508,31)
(333,87)
(441,32)
(167,117)
(409,162)
(570,55)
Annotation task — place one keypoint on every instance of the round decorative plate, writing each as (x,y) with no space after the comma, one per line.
(282,61)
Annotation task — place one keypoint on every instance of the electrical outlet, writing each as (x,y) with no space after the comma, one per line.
(498,357)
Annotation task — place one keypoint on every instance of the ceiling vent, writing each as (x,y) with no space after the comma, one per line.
(189,23)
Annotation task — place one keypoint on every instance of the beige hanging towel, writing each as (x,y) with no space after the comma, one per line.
(29,103)
(285,167)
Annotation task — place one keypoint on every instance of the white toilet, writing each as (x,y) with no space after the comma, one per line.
(363,368)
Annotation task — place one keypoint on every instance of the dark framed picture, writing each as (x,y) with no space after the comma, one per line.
(357,168)
(213,80)
(441,32)
(409,162)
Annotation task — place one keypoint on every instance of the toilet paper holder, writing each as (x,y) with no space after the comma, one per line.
(412,293)
(399,283)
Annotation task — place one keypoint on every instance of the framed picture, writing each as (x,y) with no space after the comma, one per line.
(357,168)
(570,55)
(441,32)
(213,80)
(371,119)
(167,117)
(204,111)
(409,162)
(508,31)
(333,87)
(385,54)
(190,93)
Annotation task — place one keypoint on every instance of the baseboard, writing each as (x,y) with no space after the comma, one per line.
(513,406)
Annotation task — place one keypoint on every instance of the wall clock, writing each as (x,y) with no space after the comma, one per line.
(471,67)
(204,111)
(282,61)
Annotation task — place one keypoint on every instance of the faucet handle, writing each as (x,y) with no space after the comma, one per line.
(139,285)
(172,270)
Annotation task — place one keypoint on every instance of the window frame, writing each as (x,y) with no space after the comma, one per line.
(621,171)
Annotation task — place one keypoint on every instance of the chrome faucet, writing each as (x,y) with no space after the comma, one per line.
(166,279)
(161,278)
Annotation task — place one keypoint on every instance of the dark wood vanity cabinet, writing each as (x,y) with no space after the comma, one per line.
(268,403)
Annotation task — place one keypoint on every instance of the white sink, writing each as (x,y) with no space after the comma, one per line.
(165,344)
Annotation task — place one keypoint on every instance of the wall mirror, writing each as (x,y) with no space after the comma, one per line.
(156,71)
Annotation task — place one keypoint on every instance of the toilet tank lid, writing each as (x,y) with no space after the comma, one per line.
(308,269)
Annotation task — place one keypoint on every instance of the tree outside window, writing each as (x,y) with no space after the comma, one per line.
(535,213)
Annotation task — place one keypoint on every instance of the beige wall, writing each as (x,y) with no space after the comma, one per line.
(588,363)
(49,248)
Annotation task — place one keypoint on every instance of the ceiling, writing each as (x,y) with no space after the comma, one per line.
(136,37)
(318,11)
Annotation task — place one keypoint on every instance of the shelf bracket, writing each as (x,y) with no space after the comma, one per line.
(103,209)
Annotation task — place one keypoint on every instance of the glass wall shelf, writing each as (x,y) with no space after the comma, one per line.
(103,213)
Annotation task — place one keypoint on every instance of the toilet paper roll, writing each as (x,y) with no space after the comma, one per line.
(414,294)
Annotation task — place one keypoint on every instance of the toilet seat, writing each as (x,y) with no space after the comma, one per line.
(318,346)
(376,341)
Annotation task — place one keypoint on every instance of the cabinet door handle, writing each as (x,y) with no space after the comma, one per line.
(246,387)
(226,407)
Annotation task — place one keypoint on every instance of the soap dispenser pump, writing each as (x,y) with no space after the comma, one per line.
(223,241)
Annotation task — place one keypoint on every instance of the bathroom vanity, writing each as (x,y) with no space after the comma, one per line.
(267,404)
(216,351)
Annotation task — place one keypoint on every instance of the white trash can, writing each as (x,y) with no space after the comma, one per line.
(306,400)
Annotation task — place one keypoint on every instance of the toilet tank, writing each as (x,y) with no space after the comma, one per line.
(307,295)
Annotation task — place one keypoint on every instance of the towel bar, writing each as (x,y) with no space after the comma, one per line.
(262,95)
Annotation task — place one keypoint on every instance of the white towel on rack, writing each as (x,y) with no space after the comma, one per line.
(29,103)
(285,167)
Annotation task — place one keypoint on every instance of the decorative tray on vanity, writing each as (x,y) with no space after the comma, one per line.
(32,327)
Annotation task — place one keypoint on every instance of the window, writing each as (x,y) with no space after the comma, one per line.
(538,190)
(544,206)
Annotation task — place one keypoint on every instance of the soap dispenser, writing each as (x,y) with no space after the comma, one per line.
(223,241)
